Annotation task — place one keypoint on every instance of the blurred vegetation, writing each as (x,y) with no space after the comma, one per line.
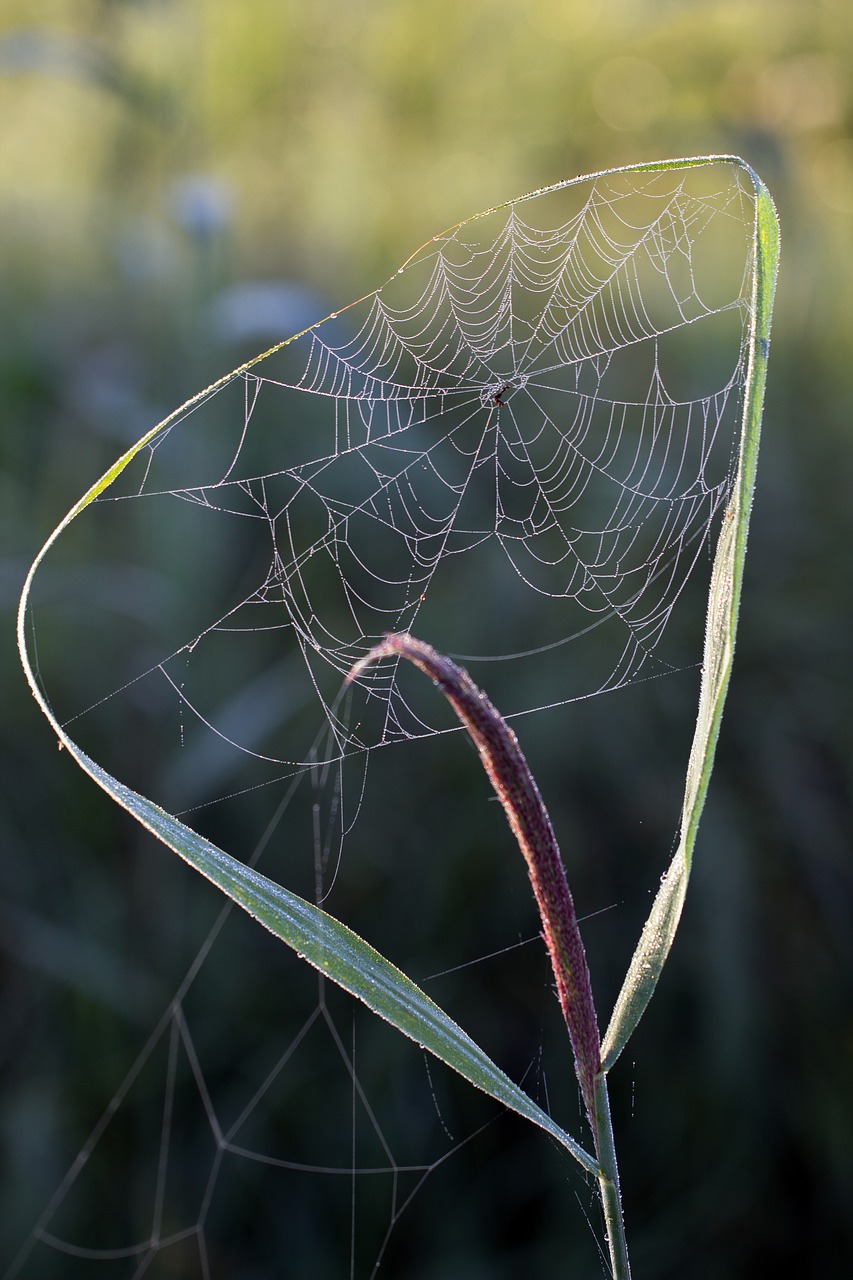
(182,182)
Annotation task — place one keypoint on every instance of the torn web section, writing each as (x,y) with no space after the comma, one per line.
(519,449)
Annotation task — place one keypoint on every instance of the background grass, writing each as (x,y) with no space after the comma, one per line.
(154,156)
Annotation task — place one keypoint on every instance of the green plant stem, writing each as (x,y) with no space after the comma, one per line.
(608,1182)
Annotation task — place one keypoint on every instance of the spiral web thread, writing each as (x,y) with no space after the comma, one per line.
(503,451)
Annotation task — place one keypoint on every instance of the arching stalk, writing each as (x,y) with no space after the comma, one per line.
(518,793)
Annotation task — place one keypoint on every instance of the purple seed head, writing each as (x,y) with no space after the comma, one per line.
(516,789)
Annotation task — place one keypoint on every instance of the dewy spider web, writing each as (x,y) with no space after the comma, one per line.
(519,449)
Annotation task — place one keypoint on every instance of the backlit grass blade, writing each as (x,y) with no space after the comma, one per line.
(723,603)
(333,948)
(335,951)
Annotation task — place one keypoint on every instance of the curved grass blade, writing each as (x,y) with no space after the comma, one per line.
(723,604)
(337,952)
(332,948)
(329,945)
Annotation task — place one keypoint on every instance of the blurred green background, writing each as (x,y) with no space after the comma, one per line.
(158,155)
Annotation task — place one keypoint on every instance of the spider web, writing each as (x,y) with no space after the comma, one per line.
(519,449)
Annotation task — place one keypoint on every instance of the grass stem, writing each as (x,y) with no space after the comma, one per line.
(608,1183)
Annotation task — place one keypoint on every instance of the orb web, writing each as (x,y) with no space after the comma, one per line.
(520,449)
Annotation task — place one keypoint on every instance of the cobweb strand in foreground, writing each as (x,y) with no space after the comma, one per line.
(520,447)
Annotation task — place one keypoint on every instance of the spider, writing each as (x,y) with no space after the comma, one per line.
(497,398)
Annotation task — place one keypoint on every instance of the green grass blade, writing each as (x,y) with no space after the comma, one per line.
(723,603)
(338,953)
(334,949)
(324,942)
